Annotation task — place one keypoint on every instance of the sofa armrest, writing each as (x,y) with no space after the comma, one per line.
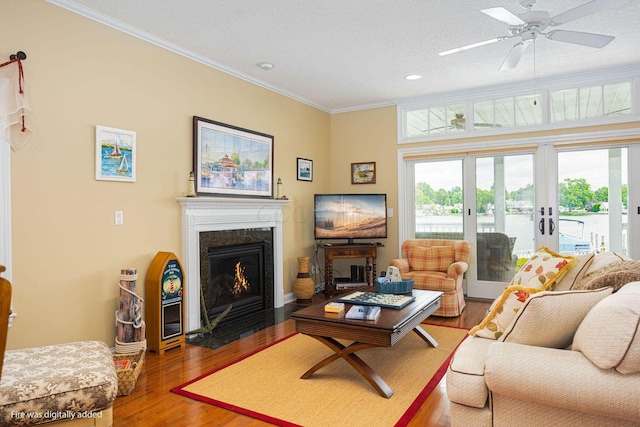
(561,378)
(457,269)
(402,264)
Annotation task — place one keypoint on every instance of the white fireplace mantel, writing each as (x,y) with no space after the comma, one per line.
(202,214)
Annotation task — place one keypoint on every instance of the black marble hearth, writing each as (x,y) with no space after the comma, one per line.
(228,332)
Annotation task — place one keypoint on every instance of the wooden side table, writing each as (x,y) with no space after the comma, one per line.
(335,251)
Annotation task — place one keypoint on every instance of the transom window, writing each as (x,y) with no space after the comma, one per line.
(503,114)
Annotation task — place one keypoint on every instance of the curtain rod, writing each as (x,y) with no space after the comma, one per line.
(18,56)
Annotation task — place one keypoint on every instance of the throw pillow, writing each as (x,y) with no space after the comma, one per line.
(609,336)
(575,273)
(603,259)
(539,273)
(551,318)
(434,258)
(616,274)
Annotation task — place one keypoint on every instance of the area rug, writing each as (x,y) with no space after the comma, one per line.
(266,384)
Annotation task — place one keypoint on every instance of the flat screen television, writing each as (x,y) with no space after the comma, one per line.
(350,216)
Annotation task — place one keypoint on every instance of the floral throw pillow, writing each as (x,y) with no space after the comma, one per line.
(540,273)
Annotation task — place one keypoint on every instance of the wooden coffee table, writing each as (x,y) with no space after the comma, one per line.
(391,326)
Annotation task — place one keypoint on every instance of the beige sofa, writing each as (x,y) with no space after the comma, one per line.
(570,357)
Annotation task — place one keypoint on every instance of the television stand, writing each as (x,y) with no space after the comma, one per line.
(331,251)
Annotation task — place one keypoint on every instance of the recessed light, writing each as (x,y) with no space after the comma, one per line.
(413,77)
(266,66)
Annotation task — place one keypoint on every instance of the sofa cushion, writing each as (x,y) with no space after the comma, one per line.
(608,336)
(575,273)
(616,274)
(550,318)
(465,376)
(434,258)
(540,272)
(605,258)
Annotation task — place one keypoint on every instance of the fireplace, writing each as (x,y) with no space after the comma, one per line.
(236,268)
(228,217)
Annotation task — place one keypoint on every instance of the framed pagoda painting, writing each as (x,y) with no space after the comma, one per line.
(231,161)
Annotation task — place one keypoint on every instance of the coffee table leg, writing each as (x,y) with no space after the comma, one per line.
(348,354)
(425,336)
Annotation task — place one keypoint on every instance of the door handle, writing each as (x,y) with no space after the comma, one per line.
(552,227)
(541,226)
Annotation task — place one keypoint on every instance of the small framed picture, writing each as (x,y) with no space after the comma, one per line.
(115,154)
(305,169)
(363,173)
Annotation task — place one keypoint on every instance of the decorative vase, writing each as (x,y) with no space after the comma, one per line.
(303,287)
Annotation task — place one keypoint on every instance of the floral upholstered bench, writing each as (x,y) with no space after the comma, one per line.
(71,384)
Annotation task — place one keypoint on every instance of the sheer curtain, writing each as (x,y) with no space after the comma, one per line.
(14,105)
(14,134)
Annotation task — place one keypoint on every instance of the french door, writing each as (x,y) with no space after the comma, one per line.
(572,200)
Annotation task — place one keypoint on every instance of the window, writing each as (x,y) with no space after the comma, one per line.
(436,120)
(503,109)
(590,102)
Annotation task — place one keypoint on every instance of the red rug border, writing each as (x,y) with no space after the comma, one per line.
(404,420)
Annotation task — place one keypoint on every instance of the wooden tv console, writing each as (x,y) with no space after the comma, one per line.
(336,251)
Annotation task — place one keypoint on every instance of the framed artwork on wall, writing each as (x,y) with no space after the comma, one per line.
(115,154)
(363,173)
(305,169)
(231,161)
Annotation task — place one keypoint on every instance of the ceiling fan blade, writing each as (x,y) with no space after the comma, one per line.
(516,52)
(503,15)
(586,9)
(577,37)
(471,46)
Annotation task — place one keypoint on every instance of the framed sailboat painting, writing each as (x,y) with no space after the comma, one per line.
(115,154)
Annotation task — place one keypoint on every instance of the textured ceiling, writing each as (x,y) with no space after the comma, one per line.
(346,54)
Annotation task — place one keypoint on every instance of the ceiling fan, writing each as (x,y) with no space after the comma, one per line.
(529,24)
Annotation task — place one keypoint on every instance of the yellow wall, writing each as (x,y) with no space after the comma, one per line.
(360,137)
(67,252)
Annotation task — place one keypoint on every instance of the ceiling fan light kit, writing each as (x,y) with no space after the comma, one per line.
(531,23)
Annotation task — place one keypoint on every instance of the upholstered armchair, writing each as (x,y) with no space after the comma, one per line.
(437,265)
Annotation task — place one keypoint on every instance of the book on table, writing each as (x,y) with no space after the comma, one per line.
(363,312)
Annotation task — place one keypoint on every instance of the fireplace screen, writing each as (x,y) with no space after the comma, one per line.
(236,277)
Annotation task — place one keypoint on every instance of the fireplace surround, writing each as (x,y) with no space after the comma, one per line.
(204,214)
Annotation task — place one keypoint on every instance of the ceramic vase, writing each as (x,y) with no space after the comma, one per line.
(303,287)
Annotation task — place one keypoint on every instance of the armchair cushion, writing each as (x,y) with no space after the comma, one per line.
(435,258)
(608,335)
(550,319)
(541,272)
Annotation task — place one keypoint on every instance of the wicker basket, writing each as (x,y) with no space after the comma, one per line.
(128,376)
(403,287)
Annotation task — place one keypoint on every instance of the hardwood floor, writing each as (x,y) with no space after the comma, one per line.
(152,404)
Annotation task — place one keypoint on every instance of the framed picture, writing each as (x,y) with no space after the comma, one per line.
(115,154)
(305,169)
(231,161)
(363,173)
